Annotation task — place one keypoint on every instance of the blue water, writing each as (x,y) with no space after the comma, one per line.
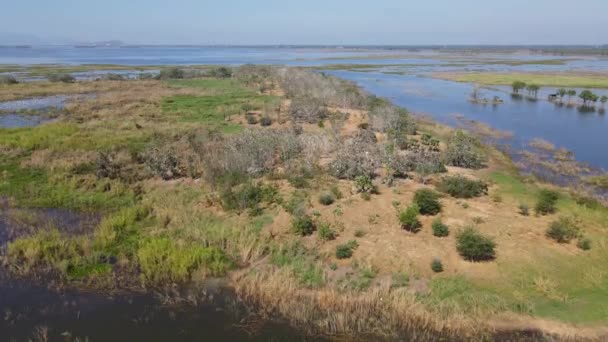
(582,133)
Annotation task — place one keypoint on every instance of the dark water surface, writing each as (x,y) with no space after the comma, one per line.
(31,311)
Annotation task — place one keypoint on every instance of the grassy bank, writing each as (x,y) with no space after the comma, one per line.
(573,80)
(330,207)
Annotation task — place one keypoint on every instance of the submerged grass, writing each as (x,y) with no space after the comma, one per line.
(573,80)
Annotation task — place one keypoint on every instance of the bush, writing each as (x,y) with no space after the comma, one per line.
(409,219)
(221,72)
(440,229)
(162,160)
(437,266)
(303,225)
(113,77)
(326,199)
(360,156)
(524,210)
(473,246)
(563,230)
(248,197)
(171,73)
(326,233)
(428,202)
(8,79)
(336,192)
(584,244)
(345,251)
(298,181)
(65,78)
(265,121)
(547,199)
(465,151)
(252,120)
(363,184)
(462,187)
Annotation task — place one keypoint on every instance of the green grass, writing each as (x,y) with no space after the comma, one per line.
(550,284)
(225,98)
(571,80)
(40,188)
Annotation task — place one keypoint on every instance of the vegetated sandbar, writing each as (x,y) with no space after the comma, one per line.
(556,79)
(333,208)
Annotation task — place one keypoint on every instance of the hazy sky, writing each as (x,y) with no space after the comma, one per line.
(311,21)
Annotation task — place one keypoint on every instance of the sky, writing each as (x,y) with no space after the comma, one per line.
(330,22)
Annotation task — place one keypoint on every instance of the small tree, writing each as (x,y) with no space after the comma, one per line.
(586,96)
(571,92)
(409,219)
(517,86)
(547,199)
(603,100)
(533,90)
(561,92)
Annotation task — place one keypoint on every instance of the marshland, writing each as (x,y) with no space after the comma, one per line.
(351,194)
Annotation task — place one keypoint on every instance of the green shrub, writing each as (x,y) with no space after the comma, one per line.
(584,244)
(437,266)
(326,232)
(336,192)
(326,199)
(440,229)
(171,73)
(220,72)
(524,210)
(409,219)
(465,151)
(298,181)
(462,187)
(248,196)
(364,184)
(473,246)
(8,79)
(345,251)
(563,230)
(359,233)
(65,78)
(265,121)
(303,225)
(428,202)
(547,199)
(252,120)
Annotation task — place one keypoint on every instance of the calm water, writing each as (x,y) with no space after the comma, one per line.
(583,133)
(29,311)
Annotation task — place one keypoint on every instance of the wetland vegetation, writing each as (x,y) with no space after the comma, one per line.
(319,204)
